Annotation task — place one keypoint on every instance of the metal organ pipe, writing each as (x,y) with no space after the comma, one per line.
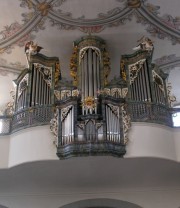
(144,85)
(94,74)
(147,82)
(112,124)
(90,83)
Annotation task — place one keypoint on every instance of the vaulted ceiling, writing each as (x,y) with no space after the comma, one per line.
(55,24)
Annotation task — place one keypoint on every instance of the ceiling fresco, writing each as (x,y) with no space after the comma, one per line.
(55,24)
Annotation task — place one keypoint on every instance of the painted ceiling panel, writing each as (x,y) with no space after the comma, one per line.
(89,9)
(166,7)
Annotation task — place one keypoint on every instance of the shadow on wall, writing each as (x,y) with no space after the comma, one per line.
(1,206)
(101,203)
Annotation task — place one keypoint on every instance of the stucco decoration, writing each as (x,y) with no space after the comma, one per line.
(167,63)
(147,14)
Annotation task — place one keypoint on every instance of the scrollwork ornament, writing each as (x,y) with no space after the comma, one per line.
(75,93)
(65,94)
(45,71)
(65,111)
(107,68)
(116,90)
(126,123)
(54,127)
(171,97)
(57,73)
(123,70)
(124,92)
(74,65)
(134,70)
(115,109)
(107,91)
(158,80)
(57,94)
(98,125)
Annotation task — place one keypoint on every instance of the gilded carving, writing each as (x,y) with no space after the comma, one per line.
(158,80)
(134,3)
(64,112)
(126,123)
(116,90)
(124,92)
(115,109)
(134,70)
(106,64)
(107,91)
(74,65)
(44,8)
(89,103)
(46,72)
(75,93)
(171,97)
(122,70)
(57,73)
(54,127)
(57,94)
(65,94)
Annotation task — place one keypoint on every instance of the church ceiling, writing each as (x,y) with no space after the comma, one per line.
(55,24)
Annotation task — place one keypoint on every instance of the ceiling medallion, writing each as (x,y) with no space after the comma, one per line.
(134,3)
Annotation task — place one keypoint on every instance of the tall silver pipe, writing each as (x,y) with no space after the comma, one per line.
(95,74)
(98,71)
(147,81)
(63,131)
(42,90)
(25,92)
(86,76)
(72,123)
(82,82)
(144,84)
(37,86)
(46,101)
(39,89)
(90,72)
(110,125)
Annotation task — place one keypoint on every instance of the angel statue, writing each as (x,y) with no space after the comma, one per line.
(144,44)
(31,49)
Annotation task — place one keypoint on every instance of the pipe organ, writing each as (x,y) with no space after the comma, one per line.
(92,115)
(88,120)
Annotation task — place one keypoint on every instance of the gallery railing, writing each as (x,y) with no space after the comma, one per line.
(150,112)
(26,118)
(36,116)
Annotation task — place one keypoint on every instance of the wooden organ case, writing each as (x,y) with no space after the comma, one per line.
(91,117)
(147,92)
(35,91)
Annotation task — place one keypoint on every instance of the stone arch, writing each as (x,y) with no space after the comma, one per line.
(101,203)
(1,206)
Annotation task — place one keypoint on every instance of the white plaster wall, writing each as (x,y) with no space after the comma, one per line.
(176,134)
(32,144)
(151,140)
(162,198)
(4,151)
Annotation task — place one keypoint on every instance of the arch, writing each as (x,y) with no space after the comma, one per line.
(101,203)
(1,206)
